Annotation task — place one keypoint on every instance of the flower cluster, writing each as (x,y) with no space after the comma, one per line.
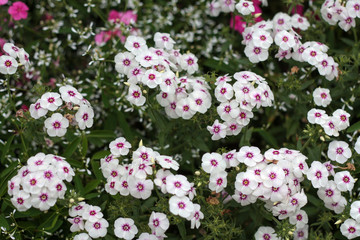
(87,217)
(243,7)
(57,124)
(274,178)
(40,183)
(330,190)
(331,124)
(8,62)
(335,11)
(133,179)
(258,39)
(116,18)
(158,223)
(155,67)
(237,102)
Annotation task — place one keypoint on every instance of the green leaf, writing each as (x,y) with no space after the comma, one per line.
(96,169)
(182,230)
(3,222)
(100,154)
(84,145)
(71,148)
(78,183)
(101,134)
(148,203)
(354,127)
(32,212)
(268,138)
(6,147)
(91,186)
(125,127)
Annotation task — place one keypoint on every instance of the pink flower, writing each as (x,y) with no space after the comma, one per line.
(3,2)
(299,9)
(129,17)
(239,24)
(18,10)
(102,37)
(114,16)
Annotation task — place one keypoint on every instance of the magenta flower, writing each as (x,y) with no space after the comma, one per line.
(18,10)
(3,2)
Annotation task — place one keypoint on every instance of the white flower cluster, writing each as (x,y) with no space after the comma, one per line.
(8,63)
(258,39)
(158,223)
(274,178)
(334,12)
(331,124)
(351,226)
(57,124)
(40,183)
(90,218)
(244,7)
(237,102)
(330,190)
(132,179)
(158,67)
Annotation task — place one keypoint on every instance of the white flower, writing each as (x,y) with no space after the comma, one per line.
(218,130)
(147,236)
(245,182)
(329,126)
(77,210)
(22,201)
(140,188)
(167,162)
(218,181)
(298,21)
(135,95)
(125,228)
(163,40)
(256,54)
(11,49)
(339,151)
(266,233)
(212,163)
(318,174)
(43,200)
(250,156)
(227,5)
(177,185)
(36,111)
(224,92)
(272,176)
(50,101)
(195,217)
(301,233)
(97,228)
(346,22)
(341,119)
(181,206)
(357,145)
(119,147)
(245,7)
(231,158)
(353,8)
(322,97)
(189,63)
(77,224)
(355,211)
(8,65)
(135,44)
(147,58)
(85,117)
(160,179)
(92,213)
(344,181)
(151,78)
(158,223)
(350,228)
(262,38)
(282,21)
(329,193)
(313,56)
(285,40)
(70,94)
(243,199)
(82,236)
(56,125)
(183,109)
